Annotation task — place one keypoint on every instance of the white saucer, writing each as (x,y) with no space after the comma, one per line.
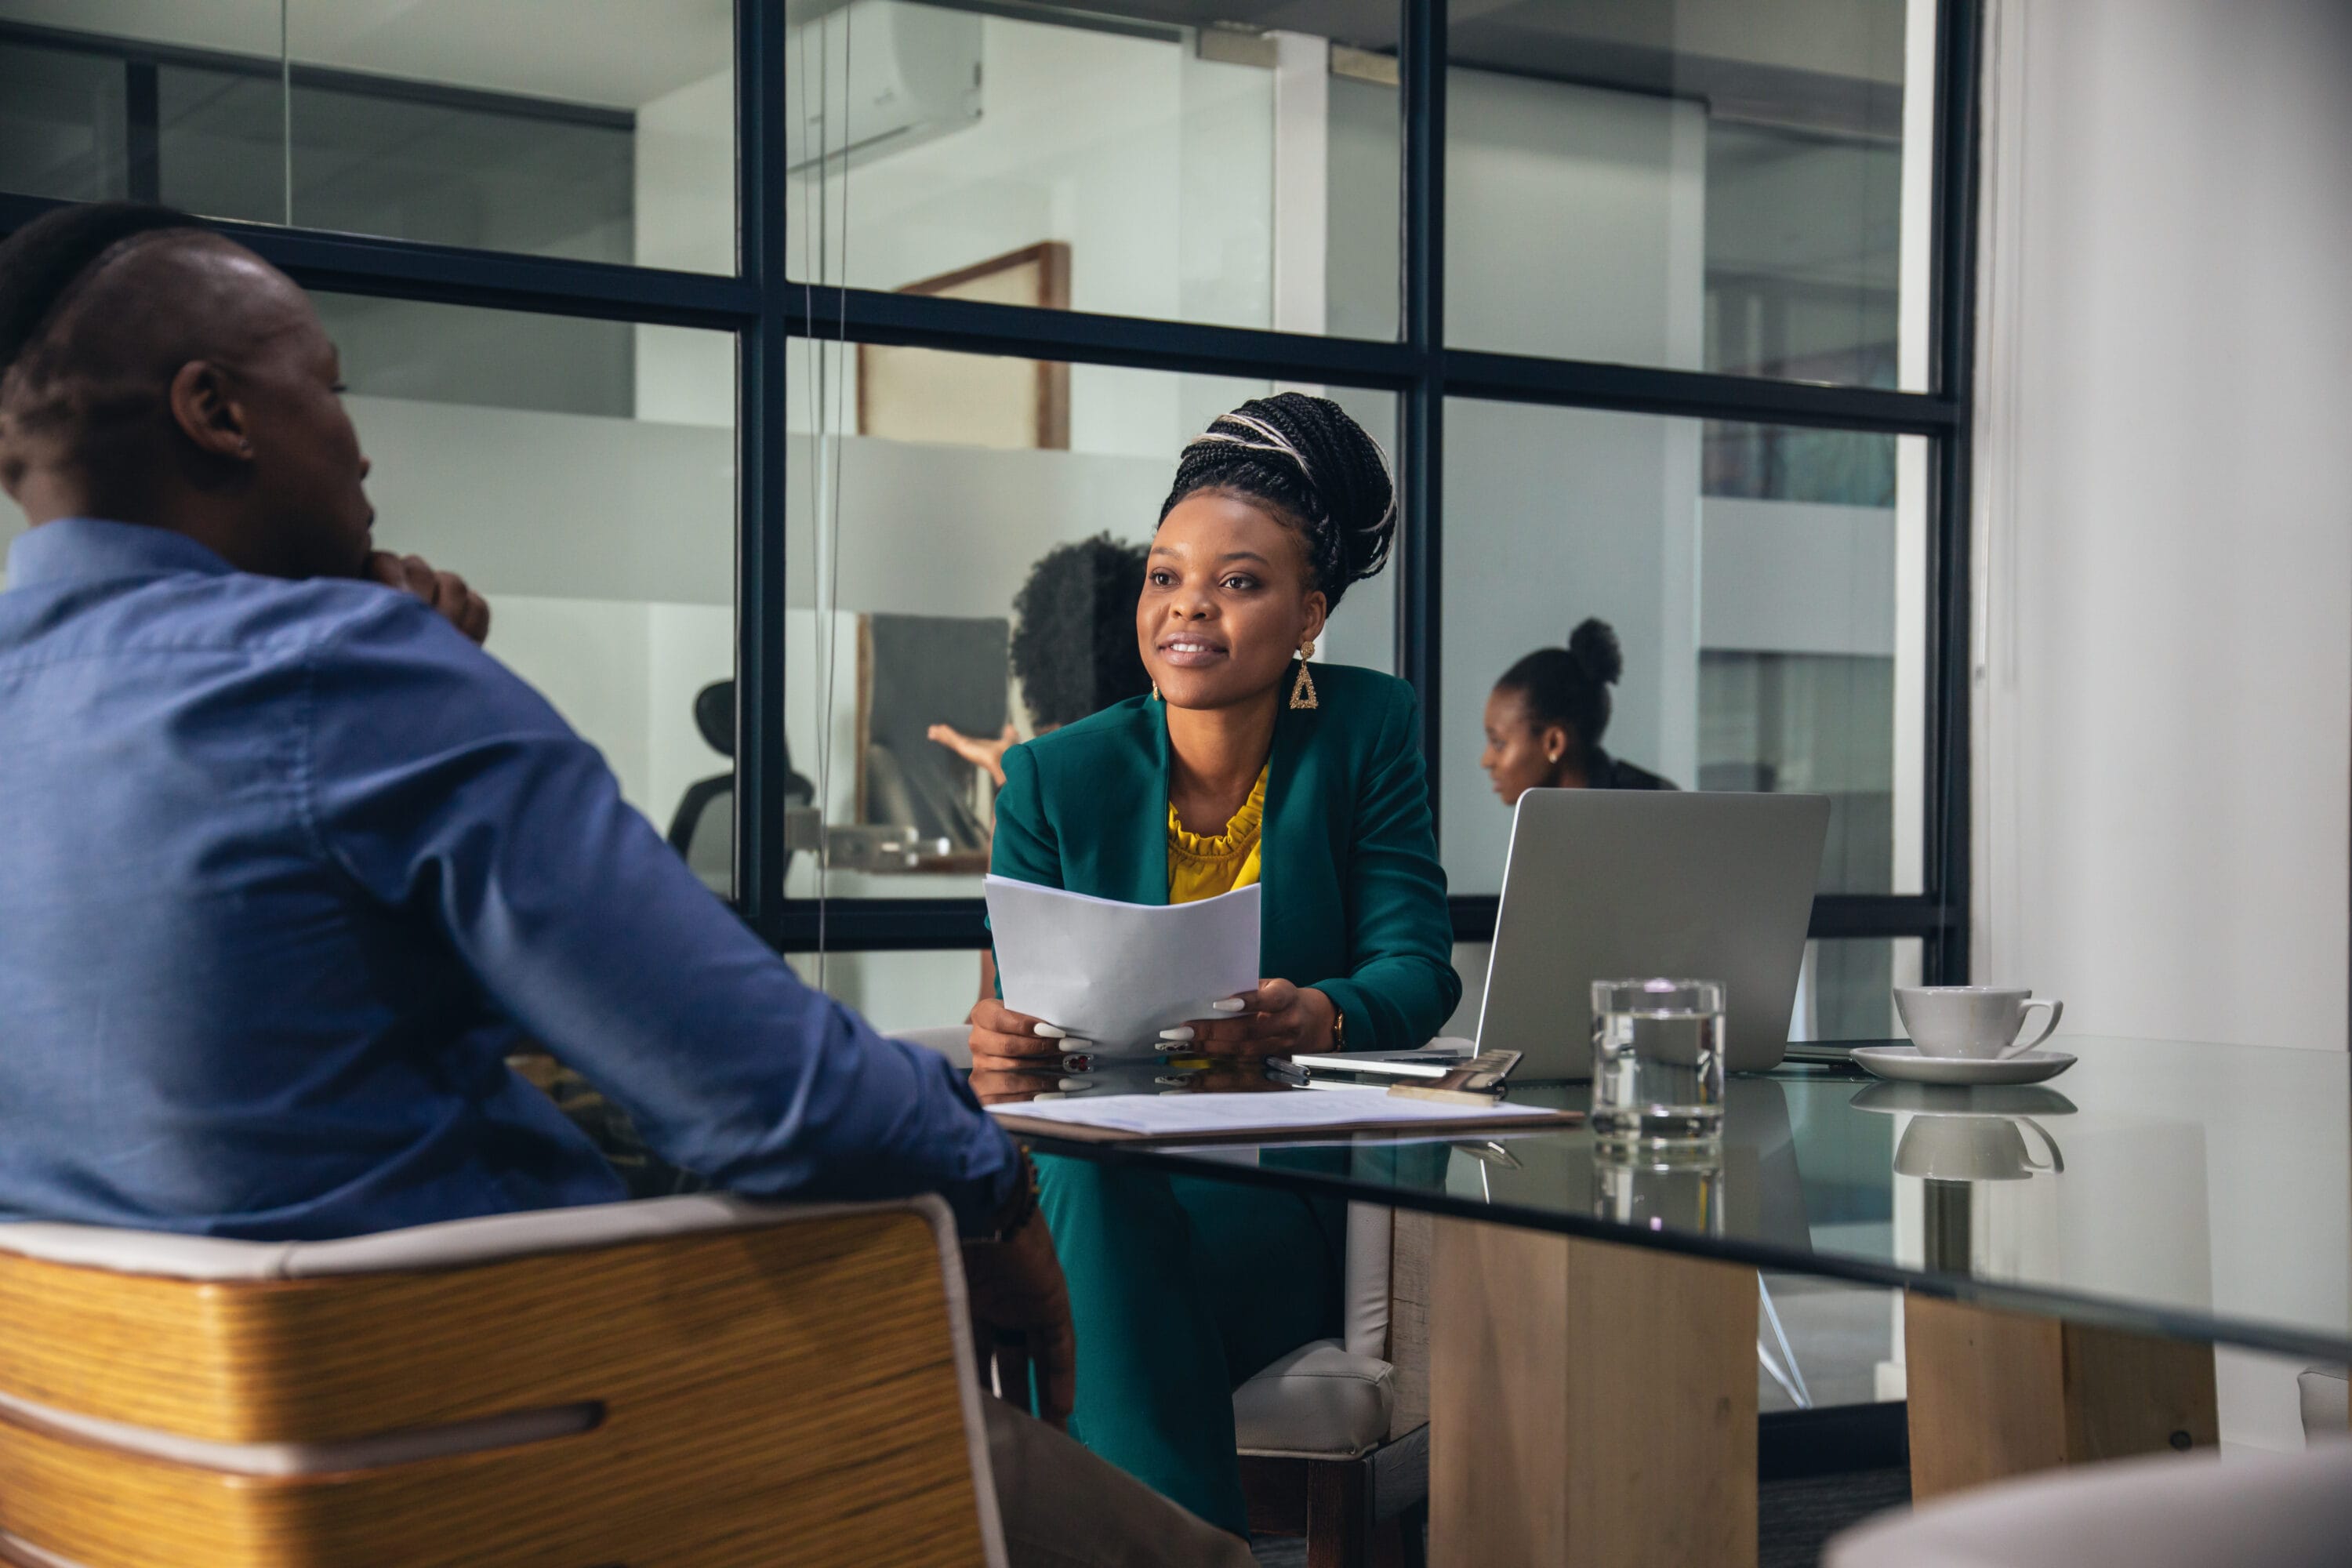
(1908,1063)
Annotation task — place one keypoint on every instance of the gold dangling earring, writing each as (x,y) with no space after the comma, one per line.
(1302,691)
(1155,693)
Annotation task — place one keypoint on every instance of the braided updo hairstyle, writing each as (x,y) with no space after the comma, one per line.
(1570,685)
(1304,459)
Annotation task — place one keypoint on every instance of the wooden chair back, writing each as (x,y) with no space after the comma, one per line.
(689,1382)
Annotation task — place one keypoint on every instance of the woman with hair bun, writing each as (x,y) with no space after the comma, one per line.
(1545,716)
(1243,765)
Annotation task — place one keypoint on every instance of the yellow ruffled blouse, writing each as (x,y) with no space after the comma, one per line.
(1200,867)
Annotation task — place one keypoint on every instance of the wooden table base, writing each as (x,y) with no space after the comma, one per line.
(1994,1395)
(1591,1406)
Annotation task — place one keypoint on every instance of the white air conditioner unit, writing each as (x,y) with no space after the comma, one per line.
(875,76)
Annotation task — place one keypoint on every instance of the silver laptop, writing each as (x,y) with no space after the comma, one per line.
(1621,884)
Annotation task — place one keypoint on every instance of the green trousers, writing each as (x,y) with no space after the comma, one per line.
(1182,1289)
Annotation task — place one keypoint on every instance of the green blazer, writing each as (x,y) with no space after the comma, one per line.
(1354,898)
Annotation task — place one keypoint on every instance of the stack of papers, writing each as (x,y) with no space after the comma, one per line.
(1182,1115)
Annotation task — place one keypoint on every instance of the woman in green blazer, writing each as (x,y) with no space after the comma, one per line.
(1180,1289)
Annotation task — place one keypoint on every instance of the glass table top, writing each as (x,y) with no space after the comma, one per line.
(2200,1191)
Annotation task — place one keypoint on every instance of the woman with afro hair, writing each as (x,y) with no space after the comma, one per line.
(1073,644)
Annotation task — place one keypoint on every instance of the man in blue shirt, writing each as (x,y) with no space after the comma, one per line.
(287,861)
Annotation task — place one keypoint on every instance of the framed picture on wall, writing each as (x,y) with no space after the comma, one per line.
(974,400)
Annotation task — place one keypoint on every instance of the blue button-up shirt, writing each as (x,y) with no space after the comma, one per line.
(285,868)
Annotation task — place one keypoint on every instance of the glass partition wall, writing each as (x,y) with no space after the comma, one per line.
(751,357)
(1654,298)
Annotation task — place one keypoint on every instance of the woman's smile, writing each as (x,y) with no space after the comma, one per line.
(1189,651)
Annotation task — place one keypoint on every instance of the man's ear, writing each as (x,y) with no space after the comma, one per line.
(207,414)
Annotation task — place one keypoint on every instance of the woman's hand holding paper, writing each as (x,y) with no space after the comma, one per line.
(1005,1040)
(1277,1020)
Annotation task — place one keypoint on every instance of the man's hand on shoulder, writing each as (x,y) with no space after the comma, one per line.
(445,591)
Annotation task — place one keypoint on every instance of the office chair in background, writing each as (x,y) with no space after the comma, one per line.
(702,829)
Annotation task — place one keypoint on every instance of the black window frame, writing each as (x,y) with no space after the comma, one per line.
(765,308)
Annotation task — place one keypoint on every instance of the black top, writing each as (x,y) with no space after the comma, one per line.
(1603,770)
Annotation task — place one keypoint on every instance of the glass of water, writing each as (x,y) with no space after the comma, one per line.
(1657,1061)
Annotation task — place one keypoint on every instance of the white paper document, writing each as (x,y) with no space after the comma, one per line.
(1116,973)
(1167,1115)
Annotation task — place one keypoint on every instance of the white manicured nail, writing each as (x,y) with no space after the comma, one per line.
(1052,1033)
(1181,1032)
(1230,1004)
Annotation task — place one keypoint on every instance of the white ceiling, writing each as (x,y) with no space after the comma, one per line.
(619,53)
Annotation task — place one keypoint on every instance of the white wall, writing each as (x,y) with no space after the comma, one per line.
(2165,549)
(1797,578)
(2164,533)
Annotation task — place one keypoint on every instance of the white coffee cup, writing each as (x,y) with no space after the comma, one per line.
(1982,1023)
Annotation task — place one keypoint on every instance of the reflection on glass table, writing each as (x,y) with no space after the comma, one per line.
(2068,1259)
(1952,1142)
(2200,1191)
